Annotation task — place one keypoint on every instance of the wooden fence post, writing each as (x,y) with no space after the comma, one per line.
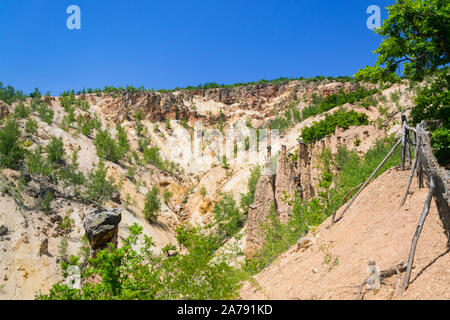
(424,215)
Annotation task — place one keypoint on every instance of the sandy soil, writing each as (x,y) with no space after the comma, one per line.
(373,229)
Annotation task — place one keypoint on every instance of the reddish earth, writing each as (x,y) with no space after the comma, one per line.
(335,265)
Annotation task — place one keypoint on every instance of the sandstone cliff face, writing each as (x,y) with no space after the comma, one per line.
(286,184)
(259,213)
(29,267)
(304,171)
(4,110)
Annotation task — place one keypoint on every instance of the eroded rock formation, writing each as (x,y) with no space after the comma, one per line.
(304,171)
(286,183)
(259,213)
(102,227)
(4,110)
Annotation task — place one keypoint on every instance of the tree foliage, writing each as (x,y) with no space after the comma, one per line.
(11,150)
(152,204)
(416,35)
(342,119)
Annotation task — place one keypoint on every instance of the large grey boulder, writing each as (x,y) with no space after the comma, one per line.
(102,226)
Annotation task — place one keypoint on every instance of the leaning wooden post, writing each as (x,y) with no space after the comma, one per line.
(404,141)
(411,174)
(368,180)
(424,215)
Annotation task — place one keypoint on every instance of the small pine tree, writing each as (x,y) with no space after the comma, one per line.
(11,151)
(55,150)
(100,188)
(152,204)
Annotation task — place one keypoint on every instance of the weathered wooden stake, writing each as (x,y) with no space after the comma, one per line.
(424,215)
(368,180)
(404,142)
(411,174)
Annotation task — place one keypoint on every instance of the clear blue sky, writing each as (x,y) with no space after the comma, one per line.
(165,44)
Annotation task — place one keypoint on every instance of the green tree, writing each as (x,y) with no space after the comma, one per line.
(123,144)
(247,199)
(31,126)
(55,150)
(152,204)
(416,34)
(37,164)
(99,188)
(11,151)
(46,113)
(106,146)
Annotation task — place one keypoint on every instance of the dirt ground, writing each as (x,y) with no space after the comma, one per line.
(335,265)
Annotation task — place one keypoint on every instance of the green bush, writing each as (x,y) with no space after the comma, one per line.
(11,151)
(9,95)
(153,157)
(228,217)
(99,188)
(46,202)
(107,147)
(328,126)
(70,174)
(21,111)
(440,141)
(167,195)
(432,102)
(152,204)
(31,126)
(123,145)
(55,150)
(46,113)
(127,273)
(321,105)
(37,164)
(247,199)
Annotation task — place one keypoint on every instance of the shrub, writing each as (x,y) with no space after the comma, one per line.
(440,141)
(46,113)
(11,151)
(127,273)
(9,95)
(321,105)
(167,195)
(279,124)
(327,126)
(70,174)
(153,157)
(227,217)
(247,199)
(86,125)
(99,188)
(55,150)
(21,111)
(46,202)
(31,126)
(123,145)
(152,204)
(107,147)
(37,164)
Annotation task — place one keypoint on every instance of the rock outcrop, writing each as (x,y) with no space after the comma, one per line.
(102,226)
(285,185)
(4,110)
(304,171)
(259,213)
